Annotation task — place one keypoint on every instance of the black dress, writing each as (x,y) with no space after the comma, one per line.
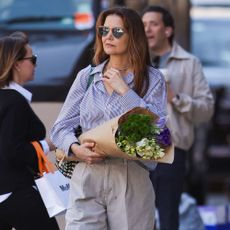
(19,125)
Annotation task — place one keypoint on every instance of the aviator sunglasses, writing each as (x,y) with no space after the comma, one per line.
(116,31)
(33,59)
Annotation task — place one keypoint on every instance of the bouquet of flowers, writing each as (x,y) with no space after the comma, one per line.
(140,136)
(137,135)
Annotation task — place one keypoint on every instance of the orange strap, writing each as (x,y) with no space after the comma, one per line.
(44,165)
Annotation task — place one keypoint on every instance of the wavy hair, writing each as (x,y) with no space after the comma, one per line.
(138,53)
(12,49)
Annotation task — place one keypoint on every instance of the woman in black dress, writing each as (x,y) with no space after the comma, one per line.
(21,206)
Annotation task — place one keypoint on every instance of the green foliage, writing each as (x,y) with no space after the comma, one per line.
(136,137)
(136,127)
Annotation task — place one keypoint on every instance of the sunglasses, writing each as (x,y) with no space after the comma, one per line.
(33,59)
(116,31)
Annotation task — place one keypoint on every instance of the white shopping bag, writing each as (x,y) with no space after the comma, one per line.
(54,190)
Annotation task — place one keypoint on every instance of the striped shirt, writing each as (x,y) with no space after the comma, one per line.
(92,106)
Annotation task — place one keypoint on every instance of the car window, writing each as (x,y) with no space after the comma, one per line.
(52,14)
(61,33)
(211,36)
(211,41)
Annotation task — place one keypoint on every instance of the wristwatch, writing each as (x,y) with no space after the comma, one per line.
(76,142)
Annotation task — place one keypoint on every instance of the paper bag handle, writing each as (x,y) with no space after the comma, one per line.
(44,165)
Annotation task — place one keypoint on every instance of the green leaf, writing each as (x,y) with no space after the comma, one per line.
(136,127)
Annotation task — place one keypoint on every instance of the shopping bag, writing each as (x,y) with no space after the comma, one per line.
(54,190)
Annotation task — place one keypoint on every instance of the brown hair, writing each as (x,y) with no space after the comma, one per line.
(138,52)
(12,49)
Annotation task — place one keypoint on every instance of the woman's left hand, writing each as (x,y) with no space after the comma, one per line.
(115,80)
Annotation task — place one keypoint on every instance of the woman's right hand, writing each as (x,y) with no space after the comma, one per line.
(115,80)
(84,152)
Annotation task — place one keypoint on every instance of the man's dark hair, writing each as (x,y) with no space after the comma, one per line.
(167,17)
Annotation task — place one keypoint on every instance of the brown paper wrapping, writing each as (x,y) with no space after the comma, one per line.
(104,138)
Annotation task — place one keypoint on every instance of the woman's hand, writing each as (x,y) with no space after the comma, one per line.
(84,152)
(114,79)
(50,144)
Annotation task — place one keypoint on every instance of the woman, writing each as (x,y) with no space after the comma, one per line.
(21,206)
(110,193)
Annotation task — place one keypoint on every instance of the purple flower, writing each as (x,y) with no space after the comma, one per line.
(160,123)
(164,138)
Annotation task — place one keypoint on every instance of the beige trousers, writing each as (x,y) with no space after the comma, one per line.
(115,194)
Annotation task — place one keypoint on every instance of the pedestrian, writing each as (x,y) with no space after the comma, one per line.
(110,193)
(21,206)
(189,102)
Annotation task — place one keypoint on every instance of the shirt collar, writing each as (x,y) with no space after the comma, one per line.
(178,52)
(24,92)
(99,68)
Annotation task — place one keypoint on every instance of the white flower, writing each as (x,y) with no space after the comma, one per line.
(149,149)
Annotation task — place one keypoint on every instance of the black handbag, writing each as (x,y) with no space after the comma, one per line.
(66,167)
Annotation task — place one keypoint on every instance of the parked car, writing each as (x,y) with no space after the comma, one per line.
(61,33)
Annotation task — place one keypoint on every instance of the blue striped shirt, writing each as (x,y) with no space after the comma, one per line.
(92,106)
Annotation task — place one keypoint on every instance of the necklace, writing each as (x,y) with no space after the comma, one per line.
(119,69)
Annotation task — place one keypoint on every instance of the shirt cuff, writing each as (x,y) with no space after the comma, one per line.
(67,144)
(70,153)
(45,146)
